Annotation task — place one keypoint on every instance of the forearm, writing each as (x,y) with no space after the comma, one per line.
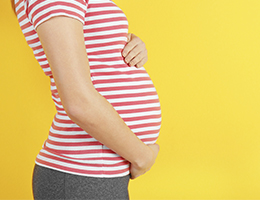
(99,119)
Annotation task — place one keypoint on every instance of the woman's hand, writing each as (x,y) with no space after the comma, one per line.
(136,171)
(135,52)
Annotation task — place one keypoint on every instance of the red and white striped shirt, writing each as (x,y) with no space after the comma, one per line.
(129,90)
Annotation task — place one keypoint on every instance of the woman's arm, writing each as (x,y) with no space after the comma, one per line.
(63,42)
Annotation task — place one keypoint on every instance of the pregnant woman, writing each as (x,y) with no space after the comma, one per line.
(108,113)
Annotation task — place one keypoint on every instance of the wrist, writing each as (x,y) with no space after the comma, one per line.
(145,159)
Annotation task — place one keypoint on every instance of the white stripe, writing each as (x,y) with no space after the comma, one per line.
(105,16)
(56,139)
(32,37)
(36,44)
(103,41)
(91,175)
(92,10)
(137,130)
(43,62)
(39,51)
(29,29)
(64,125)
(121,69)
(132,83)
(73,148)
(143,122)
(19,6)
(140,114)
(133,91)
(121,76)
(108,32)
(110,47)
(148,105)
(105,24)
(81,167)
(62,117)
(67,132)
(25,21)
(39,5)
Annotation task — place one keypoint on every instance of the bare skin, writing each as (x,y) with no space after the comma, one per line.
(135,51)
(83,104)
(135,54)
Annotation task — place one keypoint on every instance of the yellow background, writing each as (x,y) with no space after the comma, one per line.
(204,61)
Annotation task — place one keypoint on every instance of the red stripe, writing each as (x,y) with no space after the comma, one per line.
(135,102)
(149,139)
(114,73)
(107,20)
(138,110)
(117,66)
(78,132)
(57,102)
(119,80)
(42,59)
(105,59)
(19,10)
(74,136)
(73,144)
(56,3)
(48,73)
(131,87)
(88,151)
(62,114)
(80,171)
(118,96)
(45,66)
(100,5)
(59,109)
(62,167)
(109,28)
(123,163)
(30,33)
(33,41)
(57,11)
(26,25)
(66,128)
(130,119)
(104,52)
(105,44)
(144,125)
(105,12)
(147,132)
(108,36)
(23,17)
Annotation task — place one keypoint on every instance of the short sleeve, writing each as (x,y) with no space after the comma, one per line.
(39,11)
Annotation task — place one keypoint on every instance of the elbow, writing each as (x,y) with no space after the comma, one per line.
(73,111)
(80,113)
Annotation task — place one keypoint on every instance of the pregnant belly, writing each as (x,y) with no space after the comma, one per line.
(132,93)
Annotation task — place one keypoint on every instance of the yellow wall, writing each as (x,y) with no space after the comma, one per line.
(204,61)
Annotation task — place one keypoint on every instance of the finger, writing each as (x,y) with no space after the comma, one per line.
(131,45)
(142,62)
(135,51)
(138,58)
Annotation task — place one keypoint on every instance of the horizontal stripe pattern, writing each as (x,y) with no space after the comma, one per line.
(129,90)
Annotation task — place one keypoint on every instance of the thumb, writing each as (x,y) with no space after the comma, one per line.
(129,36)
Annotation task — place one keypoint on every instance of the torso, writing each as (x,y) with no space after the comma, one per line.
(129,90)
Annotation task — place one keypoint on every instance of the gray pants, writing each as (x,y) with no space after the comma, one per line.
(53,185)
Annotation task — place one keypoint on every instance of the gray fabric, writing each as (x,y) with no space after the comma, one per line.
(53,185)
